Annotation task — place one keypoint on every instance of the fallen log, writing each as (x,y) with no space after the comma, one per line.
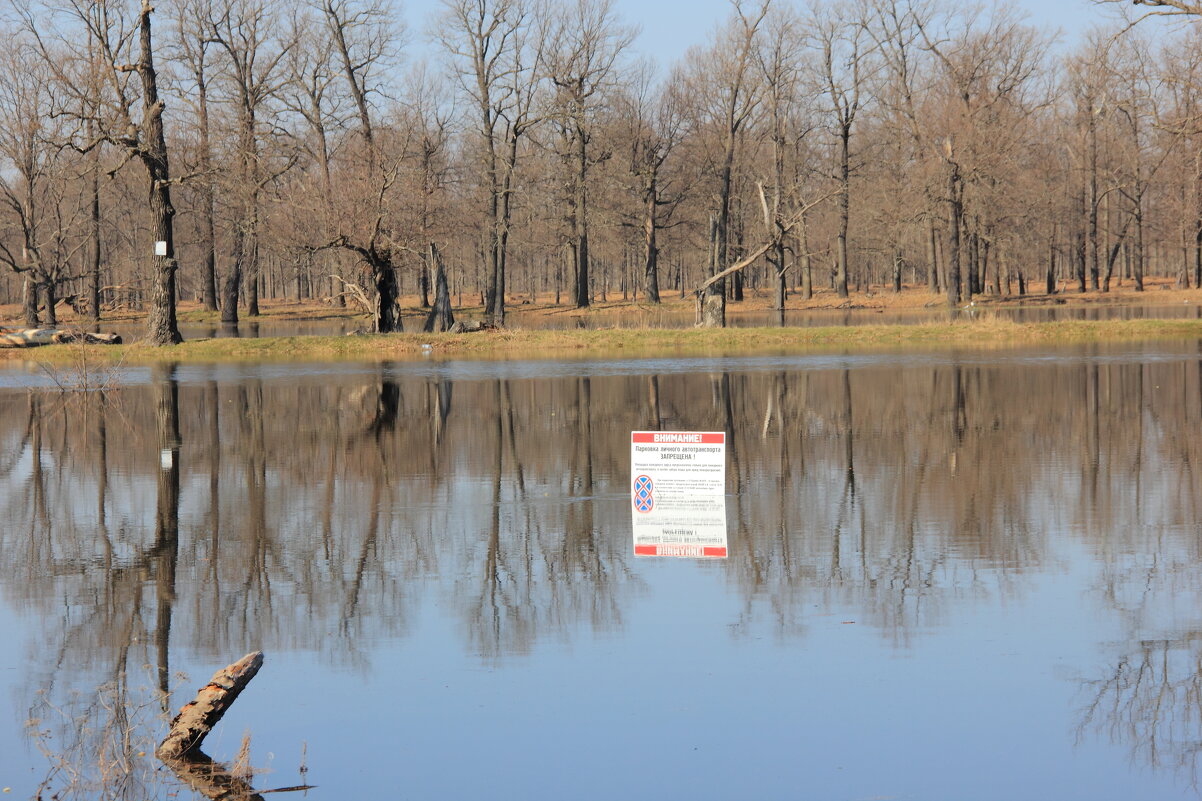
(180,750)
(198,717)
(33,337)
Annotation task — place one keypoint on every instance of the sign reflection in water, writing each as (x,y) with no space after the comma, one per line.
(332,514)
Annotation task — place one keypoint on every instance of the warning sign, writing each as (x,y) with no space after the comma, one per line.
(677,493)
(679,462)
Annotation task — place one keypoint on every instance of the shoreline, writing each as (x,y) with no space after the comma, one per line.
(980,334)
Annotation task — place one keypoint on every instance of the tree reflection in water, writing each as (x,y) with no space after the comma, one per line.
(319,514)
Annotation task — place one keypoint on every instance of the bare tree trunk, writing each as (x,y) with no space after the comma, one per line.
(1079,251)
(29,301)
(161,326)
(233,279)
(1137,259)
(50,302)
(650,246)
(974,275)
(711,301)
(94,234)
(441,317)
(492,267)
(807,264)
(385,319)
(997,269)
(712,311)
(1091,236)
(580,222)
(1198,253)
(1050,282)
(734,251)
(1198,219)
(955,212)
(208,228)
(844,209)
(777,261)
(252,269)
(932,259)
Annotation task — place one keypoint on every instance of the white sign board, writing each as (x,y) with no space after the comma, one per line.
(160,247)
(678,493)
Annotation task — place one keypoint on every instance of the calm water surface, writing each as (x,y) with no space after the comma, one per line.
(973,576)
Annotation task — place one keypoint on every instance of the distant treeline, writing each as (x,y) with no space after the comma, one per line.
(300,151)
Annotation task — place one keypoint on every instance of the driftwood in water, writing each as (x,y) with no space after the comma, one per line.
(32,337)
(440,318)
(211,779)
(198,717)
(180,751)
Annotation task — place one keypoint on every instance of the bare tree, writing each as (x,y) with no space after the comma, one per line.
(193,45)
(841,36)
(319,115)
(429,115)
(495,51)
(366,39)
(896,30)
(725,79)
(29,166)
(653,125)
(988,91)
(780,61)
(244,30)
(121,42)
(581,61)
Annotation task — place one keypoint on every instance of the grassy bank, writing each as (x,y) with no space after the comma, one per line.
(979,334)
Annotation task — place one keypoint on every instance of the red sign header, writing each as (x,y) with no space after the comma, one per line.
(679,437)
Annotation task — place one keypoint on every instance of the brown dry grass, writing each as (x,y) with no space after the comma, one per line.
(627,343)
(986,331)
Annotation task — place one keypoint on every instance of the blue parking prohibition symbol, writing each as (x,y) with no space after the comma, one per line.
(644,500)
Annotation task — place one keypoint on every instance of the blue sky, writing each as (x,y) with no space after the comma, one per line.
(669,27)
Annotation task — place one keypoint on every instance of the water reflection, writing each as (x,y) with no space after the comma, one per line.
(327,513)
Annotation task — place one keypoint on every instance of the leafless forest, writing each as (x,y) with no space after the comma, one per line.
(224,151)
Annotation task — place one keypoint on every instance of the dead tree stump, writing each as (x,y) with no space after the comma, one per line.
(198,717)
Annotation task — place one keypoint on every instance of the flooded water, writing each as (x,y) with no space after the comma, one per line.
(809,318)
(633,317)
(950,576)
